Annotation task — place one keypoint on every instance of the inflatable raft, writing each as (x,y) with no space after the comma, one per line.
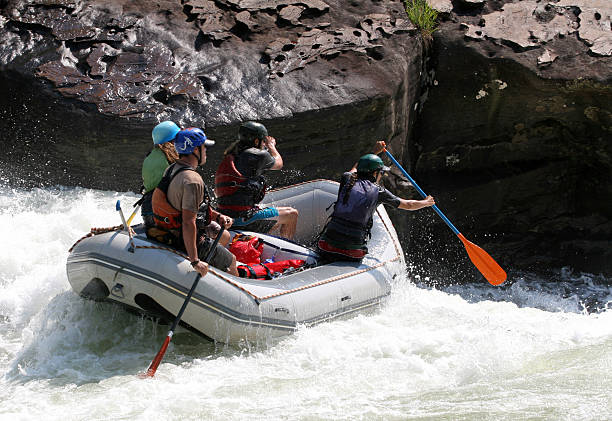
(150,278)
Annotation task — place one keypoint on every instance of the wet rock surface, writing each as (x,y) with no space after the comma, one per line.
(352,69)
(513,126)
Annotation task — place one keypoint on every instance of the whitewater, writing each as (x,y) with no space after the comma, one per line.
(532,349)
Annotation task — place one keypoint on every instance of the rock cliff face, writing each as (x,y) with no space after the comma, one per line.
(512,103)
(517,128)
(350,71)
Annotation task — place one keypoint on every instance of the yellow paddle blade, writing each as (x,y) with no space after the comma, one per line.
(129,221)
(483,262)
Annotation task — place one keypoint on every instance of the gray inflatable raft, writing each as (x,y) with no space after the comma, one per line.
(152,279)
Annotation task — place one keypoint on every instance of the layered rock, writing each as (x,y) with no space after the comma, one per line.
(353,69)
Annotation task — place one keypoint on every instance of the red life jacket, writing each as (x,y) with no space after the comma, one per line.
(268,270)
(234,191)
(165,215)
(246,248)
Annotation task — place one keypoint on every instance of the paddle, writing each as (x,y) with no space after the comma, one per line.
(480,258)
(129,221)
(160,354)
(126,226)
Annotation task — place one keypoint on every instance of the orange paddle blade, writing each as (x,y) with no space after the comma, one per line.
(155,363)
(483,262)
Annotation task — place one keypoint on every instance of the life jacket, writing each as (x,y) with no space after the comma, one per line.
(268,270)
(246,248)
(165,215)
(234,191)
(350,223)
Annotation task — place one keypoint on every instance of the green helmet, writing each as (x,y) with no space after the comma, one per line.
(251,130)
(370,163)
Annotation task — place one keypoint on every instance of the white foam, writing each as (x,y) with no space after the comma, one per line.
(459,353)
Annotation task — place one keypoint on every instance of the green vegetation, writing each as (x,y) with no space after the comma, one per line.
(422,16)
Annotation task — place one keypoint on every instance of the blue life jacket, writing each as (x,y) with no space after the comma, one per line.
(351,222)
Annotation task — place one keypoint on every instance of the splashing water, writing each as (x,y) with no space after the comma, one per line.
(531,349)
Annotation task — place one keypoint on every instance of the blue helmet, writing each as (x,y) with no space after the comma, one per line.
(164,132)
(189,139)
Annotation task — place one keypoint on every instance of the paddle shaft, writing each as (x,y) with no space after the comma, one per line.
(126,226)
(160,354)
(422,193)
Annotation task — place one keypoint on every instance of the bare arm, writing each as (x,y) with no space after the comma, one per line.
(416,204)
(190,233)
(270,142)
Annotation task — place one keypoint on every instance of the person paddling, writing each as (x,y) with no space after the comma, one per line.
(240,185)
(181,207)
(346,235)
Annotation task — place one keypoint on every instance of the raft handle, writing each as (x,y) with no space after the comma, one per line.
(117,291)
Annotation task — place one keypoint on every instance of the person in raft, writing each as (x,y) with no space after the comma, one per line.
(154,165)
(181,207)
(346,234)
(240,185)
(161,156)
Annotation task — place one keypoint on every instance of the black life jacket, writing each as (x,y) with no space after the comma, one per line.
(350,223)
(234,191)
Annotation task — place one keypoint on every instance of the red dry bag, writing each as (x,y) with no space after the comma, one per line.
(246,248)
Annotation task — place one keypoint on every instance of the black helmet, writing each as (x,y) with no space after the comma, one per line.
(251,130)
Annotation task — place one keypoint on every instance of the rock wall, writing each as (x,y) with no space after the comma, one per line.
(515,134)
(327,77)
(512,131)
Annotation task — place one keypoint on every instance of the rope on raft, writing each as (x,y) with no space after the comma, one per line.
(96,231)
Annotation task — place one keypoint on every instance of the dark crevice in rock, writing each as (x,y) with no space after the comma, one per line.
(24,28)
(200,41)
(207,83)
(242,31)
(377,53)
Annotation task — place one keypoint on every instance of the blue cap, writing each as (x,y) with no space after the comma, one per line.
(189,139)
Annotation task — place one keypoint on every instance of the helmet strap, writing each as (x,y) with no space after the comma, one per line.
(199,156)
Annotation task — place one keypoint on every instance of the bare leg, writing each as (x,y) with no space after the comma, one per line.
(225,238)
(232,269)
(287,222)
(212,230)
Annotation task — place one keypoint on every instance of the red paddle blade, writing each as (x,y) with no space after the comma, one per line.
(157,360)
(483,262)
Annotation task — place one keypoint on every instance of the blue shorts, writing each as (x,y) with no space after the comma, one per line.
(258,220)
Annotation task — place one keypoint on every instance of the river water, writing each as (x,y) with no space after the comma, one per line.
(532,349)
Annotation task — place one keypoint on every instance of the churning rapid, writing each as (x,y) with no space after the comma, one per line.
(528,349)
